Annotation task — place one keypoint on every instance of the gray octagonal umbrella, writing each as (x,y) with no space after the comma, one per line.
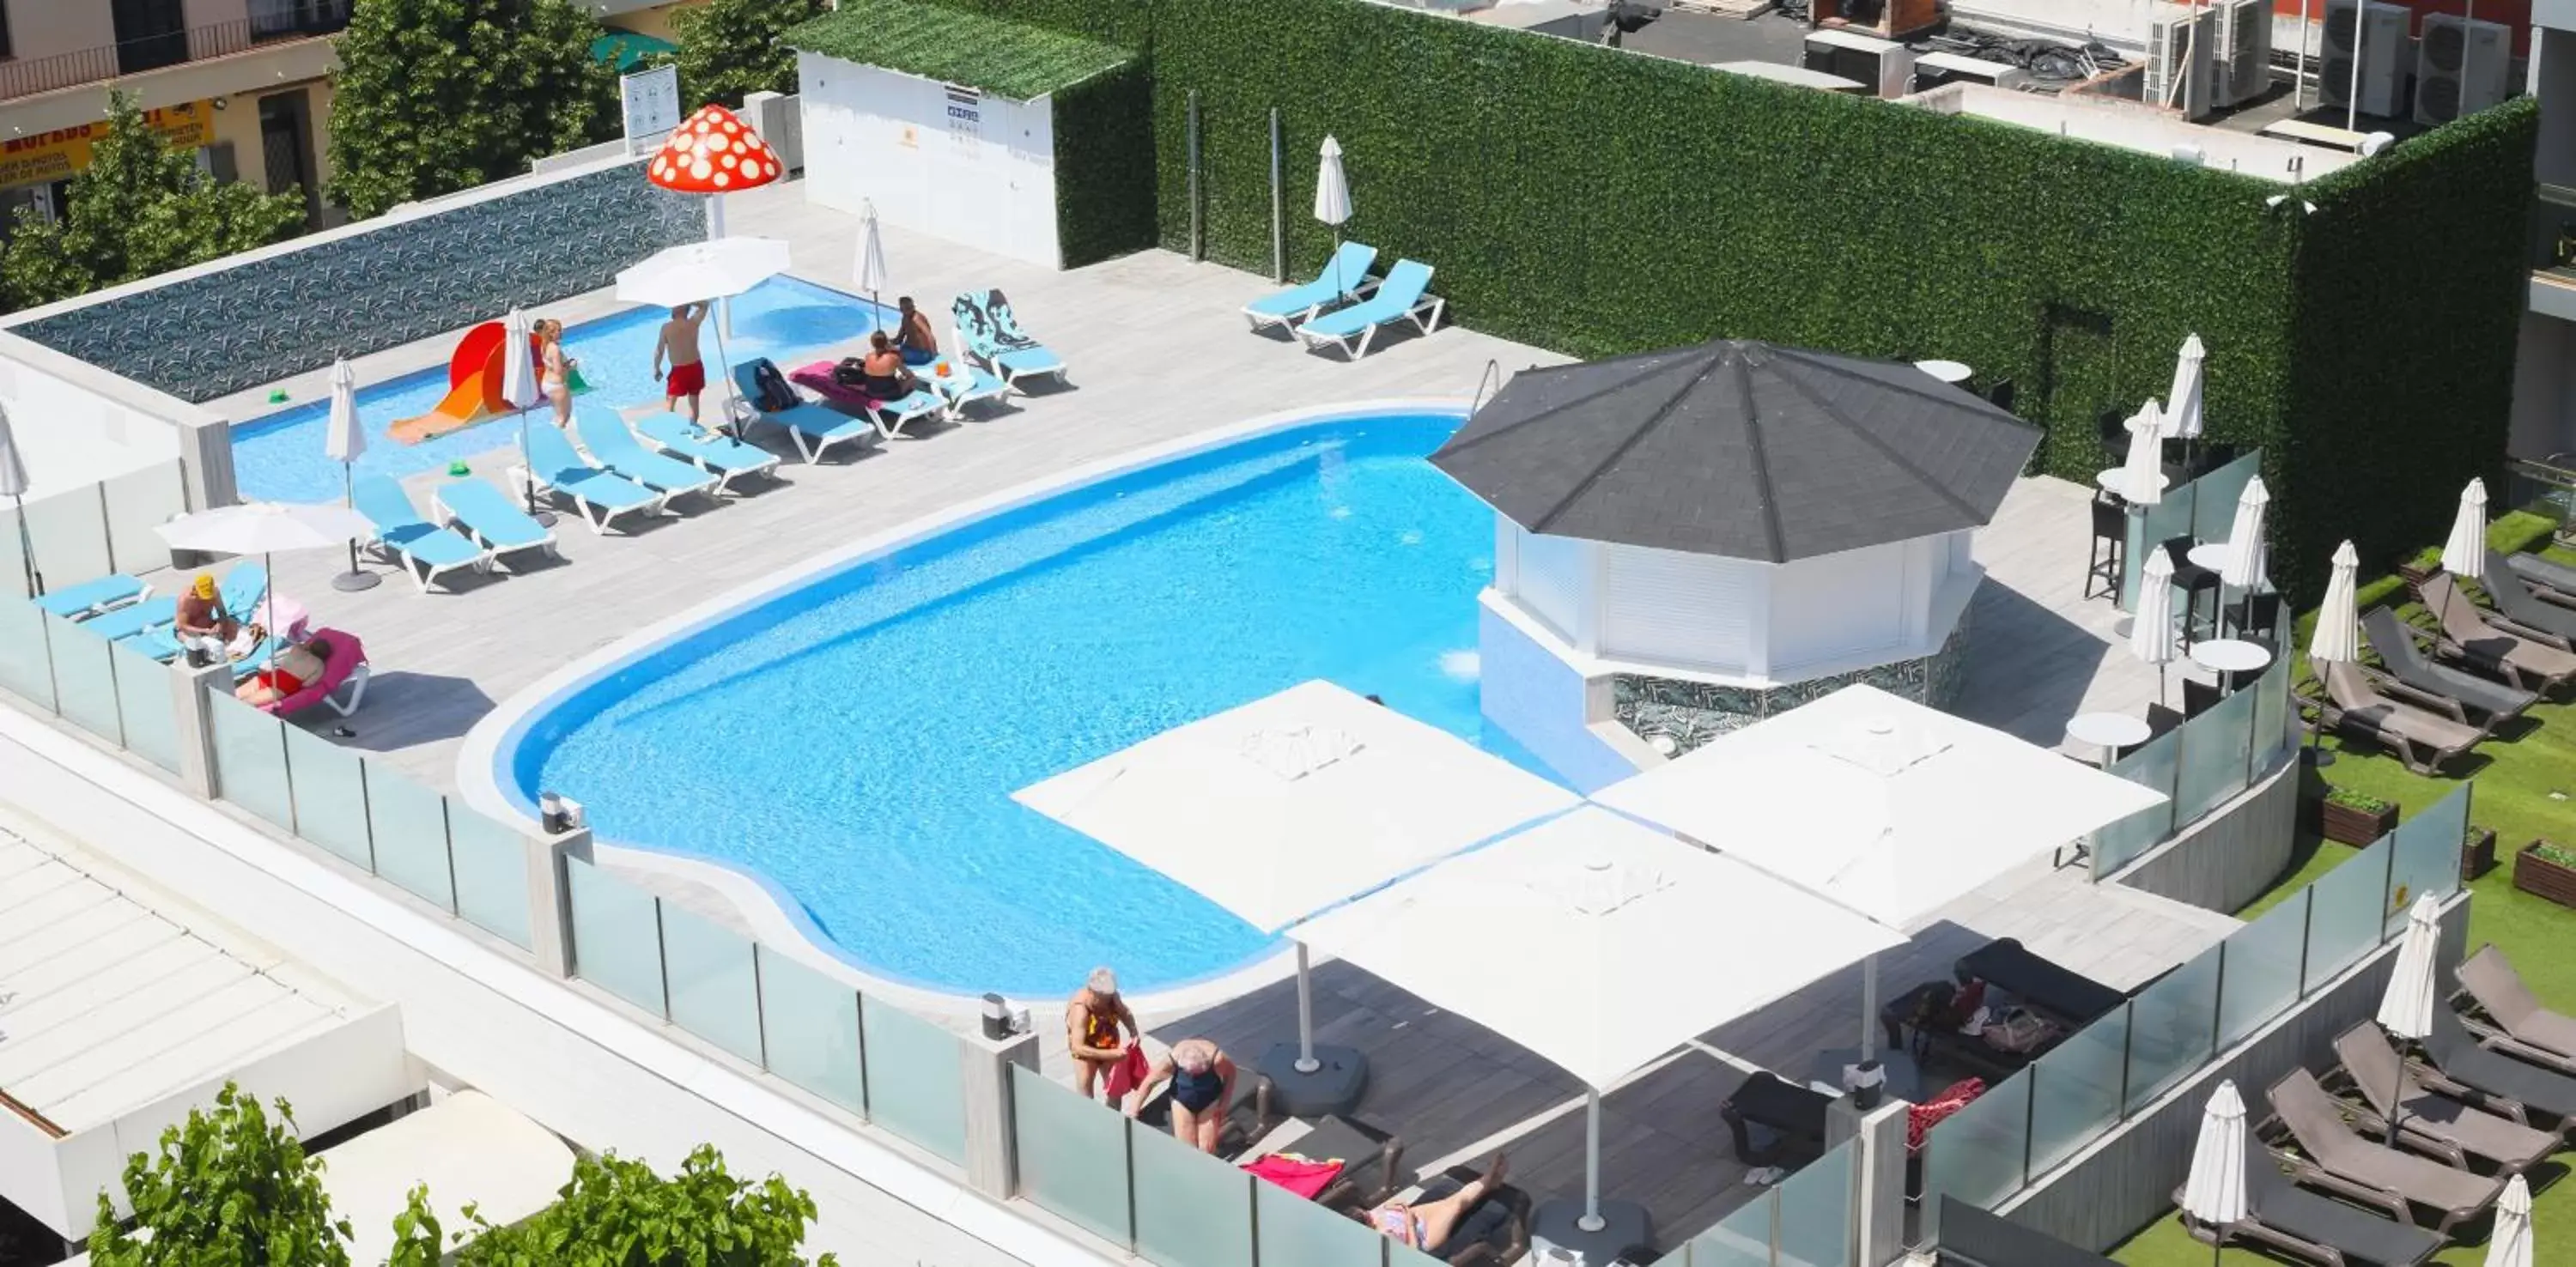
(1739,449)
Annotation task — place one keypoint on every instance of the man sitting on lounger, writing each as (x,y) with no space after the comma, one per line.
(202,620)
(298,665)
(912,334)
(1428,1225)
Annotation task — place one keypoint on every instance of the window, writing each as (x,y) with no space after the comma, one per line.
(283,19)
(150,34)
(5,51)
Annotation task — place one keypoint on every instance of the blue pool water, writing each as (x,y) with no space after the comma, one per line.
(278,456)
(855,743)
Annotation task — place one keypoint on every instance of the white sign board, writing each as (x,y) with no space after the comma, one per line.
(652,100)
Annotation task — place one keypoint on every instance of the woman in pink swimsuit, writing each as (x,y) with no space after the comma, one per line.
(1428,1225)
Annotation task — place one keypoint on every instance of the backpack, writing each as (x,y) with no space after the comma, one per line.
(771,388)
(850,372)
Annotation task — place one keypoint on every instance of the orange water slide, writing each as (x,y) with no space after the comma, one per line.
(473,387)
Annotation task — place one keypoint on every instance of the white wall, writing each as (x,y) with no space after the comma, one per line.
(103,466)
(1698,611)
(1838,606)
(979,171)
(1554,582)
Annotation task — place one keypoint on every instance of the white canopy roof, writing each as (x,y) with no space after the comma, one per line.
(469,1148)
(1884,805)
(1595,941)
(1289,804)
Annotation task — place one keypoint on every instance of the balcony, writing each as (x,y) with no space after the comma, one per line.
(271,22)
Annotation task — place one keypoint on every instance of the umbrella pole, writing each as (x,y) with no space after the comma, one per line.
(353,580)
(27,549)
(1868,1009)
(733,393)
(715,233)
(1591,1220)
(1306,1062)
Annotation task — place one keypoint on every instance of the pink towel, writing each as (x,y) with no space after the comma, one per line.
(1295,1173)
(1128,1074)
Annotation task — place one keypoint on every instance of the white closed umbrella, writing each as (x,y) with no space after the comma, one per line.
(343,441)
(2213,1192)
(13,481)
(1332,190)
(2247,555)
(2464,552)
(2151,630)
(2182,404)
(265,529)
(2142,477)
(2337,639)
(2406,1007)
(2509,1245)
(519,392)
(699,271)
(871,274)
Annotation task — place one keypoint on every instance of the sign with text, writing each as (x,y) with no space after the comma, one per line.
(46,157)
(652,100)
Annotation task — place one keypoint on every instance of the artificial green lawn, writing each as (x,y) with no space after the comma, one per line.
(2525,787)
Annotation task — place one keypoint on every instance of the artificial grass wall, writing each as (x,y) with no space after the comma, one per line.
(1104,166)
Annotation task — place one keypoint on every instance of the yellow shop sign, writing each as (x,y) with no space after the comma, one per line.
(45,157)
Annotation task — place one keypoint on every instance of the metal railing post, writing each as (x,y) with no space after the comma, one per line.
(1198,242)
(1278,208)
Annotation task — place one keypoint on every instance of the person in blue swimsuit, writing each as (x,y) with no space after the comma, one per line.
(1202,1078)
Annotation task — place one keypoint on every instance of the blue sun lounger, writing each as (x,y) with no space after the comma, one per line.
(613,446)
(980,335)
(1345,278)
(240,593)
(1400,297)
(814,428)
(554,469)
(721,455)
(425,550)
(92,597)
(134,618)
(493,518)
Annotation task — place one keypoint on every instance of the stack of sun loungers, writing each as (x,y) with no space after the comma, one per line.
(2485,1099)
(1343,308)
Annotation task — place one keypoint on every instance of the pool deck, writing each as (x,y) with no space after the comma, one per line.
(1158,353)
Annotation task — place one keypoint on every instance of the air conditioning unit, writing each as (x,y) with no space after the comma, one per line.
(2244,51)
(2382,54)
(2180,59)
(1934,70)
(2461,67)
(1885,65)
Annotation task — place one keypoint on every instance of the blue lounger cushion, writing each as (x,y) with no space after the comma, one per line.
(403,531)
(133,618)
(1394,300)
(552,460)
(818,421)
(1341,278)
(714,450)
(492,515)
(89,596)
(616,448)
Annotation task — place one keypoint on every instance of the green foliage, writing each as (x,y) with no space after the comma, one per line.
(1005,58)
(729,48)
(617,1213)
(1126,23)
(2551,851)
(433,96)
(2410,284)
(2352,799)
(1104,166)
(140,208)
(230,1189)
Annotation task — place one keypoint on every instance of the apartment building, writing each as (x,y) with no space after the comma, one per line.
(2544,407)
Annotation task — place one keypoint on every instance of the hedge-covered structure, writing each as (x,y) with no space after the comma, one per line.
(1596,202)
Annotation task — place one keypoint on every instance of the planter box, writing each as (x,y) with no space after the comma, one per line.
(2537,875)
(2477,853)
(2354,826)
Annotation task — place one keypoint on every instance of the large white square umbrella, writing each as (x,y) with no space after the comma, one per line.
(1287,805)
(699,272)
(1887,807)
(1600,944)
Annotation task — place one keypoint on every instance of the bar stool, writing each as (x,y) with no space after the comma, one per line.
(2193,580)
(2107,558)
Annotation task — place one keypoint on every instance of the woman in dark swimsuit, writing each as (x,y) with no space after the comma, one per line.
(1202,1078)
(884,374)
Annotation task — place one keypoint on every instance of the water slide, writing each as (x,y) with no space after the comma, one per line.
(473,387)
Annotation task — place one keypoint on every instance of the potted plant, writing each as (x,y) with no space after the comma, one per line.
(2355,818)
(2547,869)
(2477,852)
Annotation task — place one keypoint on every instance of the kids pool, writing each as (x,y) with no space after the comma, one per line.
(854,742)
(278,456)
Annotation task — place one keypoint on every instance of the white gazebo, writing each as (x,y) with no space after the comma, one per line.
(1725,531)
(1291,804)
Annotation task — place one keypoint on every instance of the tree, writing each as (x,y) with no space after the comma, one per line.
(139,208)
(433,96)
(729,48)
(617,1213)
(230,1189)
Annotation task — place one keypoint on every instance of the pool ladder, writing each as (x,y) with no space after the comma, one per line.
(1493,374)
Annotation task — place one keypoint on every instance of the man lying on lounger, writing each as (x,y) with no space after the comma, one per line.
(298,665)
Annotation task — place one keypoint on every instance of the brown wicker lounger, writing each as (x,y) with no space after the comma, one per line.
(2517,1089)
(2420,679)
(2431,1110)
(2283,1217)
(2525,659)
(2499,992)
(2423,740)
(2336,1156)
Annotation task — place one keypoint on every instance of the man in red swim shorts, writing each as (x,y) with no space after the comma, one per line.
(679,347)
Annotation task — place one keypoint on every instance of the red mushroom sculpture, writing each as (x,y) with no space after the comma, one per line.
(714,153)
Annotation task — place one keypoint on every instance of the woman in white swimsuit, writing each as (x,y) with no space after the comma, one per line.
(554,370)
(1428,1225)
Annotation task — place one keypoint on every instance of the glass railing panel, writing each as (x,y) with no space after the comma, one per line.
(1191,1209)
(708,968)
(330,796)
(1072,1154)
(410,823)
(616,936)
(2428,856)
(1291,1229)
(136,503)
(489,859)
(2173,1026)
(916,1085)
(1817,1218)
(2075,1090)
(26,669)
(2214,749)
(2214,496)
(2153,765)
(13,558)
(84,682)
(1741,1239)
(1977,1154)
(809,1024)
(2346,913)
(147,703)
(2553,233)
(250,759)
(2273,741)
(2261,976)
(69,531)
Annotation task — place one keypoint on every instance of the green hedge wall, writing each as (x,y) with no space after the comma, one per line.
(2411,281)
(1124,22)
(1104,166)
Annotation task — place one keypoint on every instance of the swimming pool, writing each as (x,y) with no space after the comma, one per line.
(853,742)
(278,456)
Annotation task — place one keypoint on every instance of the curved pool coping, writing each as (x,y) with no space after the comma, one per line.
(775,915)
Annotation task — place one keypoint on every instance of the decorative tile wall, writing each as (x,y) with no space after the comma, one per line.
(1692,713)
(262,321)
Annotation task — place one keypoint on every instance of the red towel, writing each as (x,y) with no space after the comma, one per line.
(1128,1074)
(1295,1173)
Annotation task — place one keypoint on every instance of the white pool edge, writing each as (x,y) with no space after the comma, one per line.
(478,776)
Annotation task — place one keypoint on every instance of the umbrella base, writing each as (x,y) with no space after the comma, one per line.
(1335,1087)
(1624,1226)
(351,582)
